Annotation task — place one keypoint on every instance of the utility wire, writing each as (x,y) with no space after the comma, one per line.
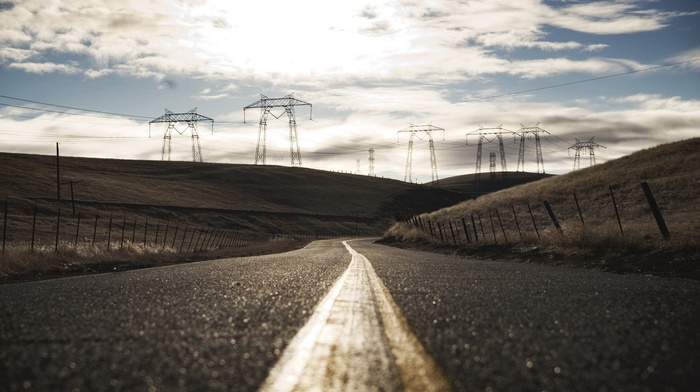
(67,107)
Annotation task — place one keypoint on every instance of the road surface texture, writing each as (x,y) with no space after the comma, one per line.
(355,317)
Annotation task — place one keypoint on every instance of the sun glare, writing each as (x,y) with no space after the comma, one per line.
(317,38)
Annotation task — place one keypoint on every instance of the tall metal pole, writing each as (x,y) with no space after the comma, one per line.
(294,151)
(409,159)
(261,147)
(433,160)
(58,175)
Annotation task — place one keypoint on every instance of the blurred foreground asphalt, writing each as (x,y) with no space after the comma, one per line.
(221,325)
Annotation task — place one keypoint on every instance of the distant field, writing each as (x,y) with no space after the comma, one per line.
(591,234)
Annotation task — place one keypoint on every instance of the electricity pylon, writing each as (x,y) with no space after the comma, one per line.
(266,104)
(534,130)
(490,134)
(172,119)
(371,162)
(428,130)
(578,146)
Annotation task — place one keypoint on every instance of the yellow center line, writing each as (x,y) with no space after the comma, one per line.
(356,339)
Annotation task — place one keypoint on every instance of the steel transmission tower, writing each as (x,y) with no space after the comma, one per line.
(523,132)
(490,134)
(371,162)
(427,130)
(492,165)
(578,146)
(171,120)
(266,104)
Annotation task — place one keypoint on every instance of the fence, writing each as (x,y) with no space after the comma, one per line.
(526,221)
(44,226)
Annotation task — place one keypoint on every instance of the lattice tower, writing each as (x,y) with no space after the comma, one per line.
(490,134)
(171,120)
(371,162)
(578,146)
(524,132)
(266,104)
(423,130)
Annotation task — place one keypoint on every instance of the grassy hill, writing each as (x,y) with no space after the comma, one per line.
(106,203)
(594,237)
(480,184)
(266,199)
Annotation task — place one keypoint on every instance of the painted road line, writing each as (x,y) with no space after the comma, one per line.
(356,339)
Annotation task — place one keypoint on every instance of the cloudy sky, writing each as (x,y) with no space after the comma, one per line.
(91,74)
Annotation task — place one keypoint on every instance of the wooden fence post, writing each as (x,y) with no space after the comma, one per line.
(182,243)
(498,216)
(77,229)
(157,232)
(177,225)
(109,233)
(656,211)
(189,245)
(165,237)
(466,232)
(493,228)
(145,233)
(94,232)
(430,226)
(579,210)
(476,234)
(121,243)
(551,215)
(534,224)
(33,228)
(58,227)
(454,241)
(481,225)
(617,213)
(517,224)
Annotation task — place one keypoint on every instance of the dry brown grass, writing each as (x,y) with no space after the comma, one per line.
(19,262)
(671,170)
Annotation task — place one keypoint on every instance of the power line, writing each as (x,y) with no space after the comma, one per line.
(130,116)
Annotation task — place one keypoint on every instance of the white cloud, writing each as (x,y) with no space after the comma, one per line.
(48,67)
(284,41)
(608,17)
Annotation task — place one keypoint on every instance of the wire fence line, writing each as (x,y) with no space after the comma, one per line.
(62,228)
(530,221)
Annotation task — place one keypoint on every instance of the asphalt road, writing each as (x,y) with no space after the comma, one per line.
(222,325)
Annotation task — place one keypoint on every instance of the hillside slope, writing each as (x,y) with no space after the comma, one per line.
(269,199)
(483,183)
(586,204)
